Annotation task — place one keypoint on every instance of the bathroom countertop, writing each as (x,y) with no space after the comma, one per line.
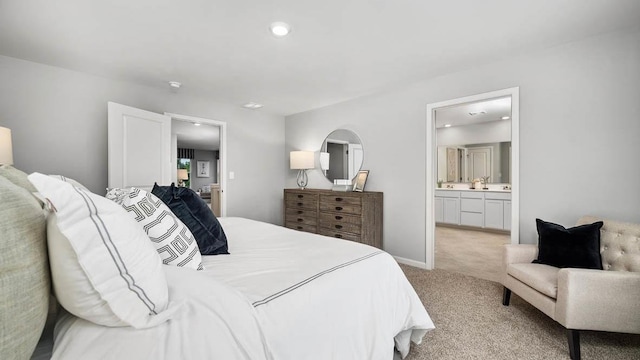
(467,189)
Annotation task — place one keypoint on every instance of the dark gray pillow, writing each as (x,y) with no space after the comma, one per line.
(196,215)
(576,247)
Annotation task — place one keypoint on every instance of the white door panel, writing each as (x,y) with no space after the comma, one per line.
(138,147)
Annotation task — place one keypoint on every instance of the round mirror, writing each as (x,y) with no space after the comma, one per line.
(341,155)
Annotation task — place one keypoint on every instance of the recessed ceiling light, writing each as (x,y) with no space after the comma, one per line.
(447,125)
(280,29)
(473,113)
(252,106)
(196,124)
(175,84)
(506,118)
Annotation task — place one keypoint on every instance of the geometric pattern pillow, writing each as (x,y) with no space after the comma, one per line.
(171,238)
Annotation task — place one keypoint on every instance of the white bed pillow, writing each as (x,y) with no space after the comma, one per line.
(104,268)
(169,235)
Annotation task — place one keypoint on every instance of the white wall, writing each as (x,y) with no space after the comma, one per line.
(58,120)
(490,132)
(579,131)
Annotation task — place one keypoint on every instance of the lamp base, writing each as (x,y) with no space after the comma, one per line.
(302,179)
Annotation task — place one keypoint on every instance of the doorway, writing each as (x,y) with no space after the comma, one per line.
(432,166)
(199,146)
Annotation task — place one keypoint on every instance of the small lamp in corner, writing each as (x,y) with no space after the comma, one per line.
(6,147)
(301,161)
(183,175)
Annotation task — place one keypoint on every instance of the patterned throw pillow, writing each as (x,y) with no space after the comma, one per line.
(171,238)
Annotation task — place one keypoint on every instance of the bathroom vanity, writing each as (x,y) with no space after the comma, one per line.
(487,209)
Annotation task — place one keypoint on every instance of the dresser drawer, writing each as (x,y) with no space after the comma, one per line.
(338,203)
(301,219)
(304,203)
(299,196)
(340,222)
(301,227)
(301,212)
(339,234)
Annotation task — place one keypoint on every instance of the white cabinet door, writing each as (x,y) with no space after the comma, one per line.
(494,214)
(507,215)
(479,162)
(138,147)
(451,211)
(439,209)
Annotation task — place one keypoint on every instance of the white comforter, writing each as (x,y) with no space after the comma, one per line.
(281,294)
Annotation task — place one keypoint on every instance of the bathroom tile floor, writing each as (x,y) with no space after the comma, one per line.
(470,252)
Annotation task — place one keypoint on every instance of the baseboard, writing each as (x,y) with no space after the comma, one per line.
(418,264)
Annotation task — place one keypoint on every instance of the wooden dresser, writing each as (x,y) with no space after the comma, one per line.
(355,216)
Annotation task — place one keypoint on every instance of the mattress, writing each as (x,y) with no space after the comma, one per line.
(280,294)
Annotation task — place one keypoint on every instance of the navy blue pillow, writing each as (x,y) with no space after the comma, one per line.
(576,247)
(196,215)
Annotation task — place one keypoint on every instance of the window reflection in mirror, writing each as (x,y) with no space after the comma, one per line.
(341,155)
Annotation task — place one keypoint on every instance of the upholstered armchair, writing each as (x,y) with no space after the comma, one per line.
(582,299)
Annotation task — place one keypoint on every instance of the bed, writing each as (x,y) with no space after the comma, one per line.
(280,294)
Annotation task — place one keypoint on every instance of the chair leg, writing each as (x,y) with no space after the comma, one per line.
(506,296)
(574,344)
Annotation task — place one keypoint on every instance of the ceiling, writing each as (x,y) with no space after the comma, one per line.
(190,136)
(337,50)
(483,111)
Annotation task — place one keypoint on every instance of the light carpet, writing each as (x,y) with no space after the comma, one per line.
(472,323)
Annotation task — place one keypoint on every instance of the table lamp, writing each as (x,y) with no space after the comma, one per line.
(301,161)
(183,175)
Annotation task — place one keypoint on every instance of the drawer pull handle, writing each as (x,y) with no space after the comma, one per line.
(338,208)
(300,220)
(338,236)
(300,204)
(300,227)
(300,212)
(338,199)
(338,226)
(300,196)
(338,217)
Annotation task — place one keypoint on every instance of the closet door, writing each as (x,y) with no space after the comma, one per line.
(138,147)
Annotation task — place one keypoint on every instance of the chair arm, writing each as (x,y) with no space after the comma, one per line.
(516,254)
(599,300)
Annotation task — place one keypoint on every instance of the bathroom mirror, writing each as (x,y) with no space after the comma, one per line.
(463,163)
(341,155)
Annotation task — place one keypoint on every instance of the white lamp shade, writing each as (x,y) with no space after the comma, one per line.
(183,174)
(301,160)
(6,148)
(324,160)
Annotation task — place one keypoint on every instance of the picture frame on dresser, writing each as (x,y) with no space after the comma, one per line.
(360,181)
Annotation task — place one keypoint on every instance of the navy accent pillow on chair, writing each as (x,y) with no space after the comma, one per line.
(576,247)
(189,207)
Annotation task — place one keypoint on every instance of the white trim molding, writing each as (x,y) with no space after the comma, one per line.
(414,263)
(223,153)
(431,165)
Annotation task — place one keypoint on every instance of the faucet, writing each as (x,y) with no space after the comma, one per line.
(484,181)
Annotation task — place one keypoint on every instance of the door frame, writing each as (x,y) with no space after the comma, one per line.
(223,152)
(431,168)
